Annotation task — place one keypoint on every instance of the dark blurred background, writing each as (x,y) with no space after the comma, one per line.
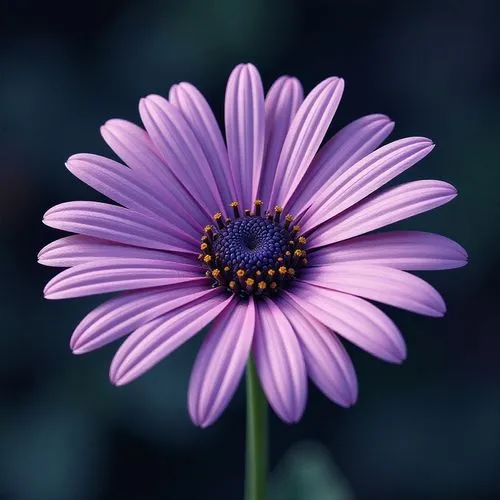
(429,429)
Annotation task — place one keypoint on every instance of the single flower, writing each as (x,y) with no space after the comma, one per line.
(262,238)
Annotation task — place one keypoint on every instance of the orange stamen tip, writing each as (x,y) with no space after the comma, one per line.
(258,203)
(278,209)
(203,246)
(282,270)
(207,259)
(240,273)
(291,271)
(232,284)
(262,285)
(249,282)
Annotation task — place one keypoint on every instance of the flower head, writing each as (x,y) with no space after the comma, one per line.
(262,237)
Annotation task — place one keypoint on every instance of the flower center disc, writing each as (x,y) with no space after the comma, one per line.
(253,253)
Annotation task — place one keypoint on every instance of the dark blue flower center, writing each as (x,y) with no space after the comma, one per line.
(251,243)
(253,253)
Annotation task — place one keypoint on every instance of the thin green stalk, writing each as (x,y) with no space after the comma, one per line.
(257,446)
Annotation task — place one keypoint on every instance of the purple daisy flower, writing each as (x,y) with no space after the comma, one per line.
(278,287)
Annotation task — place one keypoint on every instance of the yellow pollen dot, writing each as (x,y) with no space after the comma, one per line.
(232,285)
(288,253)
(215,273)
(258,273)
(208,228)
(262,285)
(203,246)
(289,218)
(273,285)
(291,271)
(227,269)
(217,216)
(296,228)
(302,240)
(234,204)
(298,253)
(240,273)
(258,203)
(282,270)
(207,259)
(280,259)
(271,272)
(249,282)
(278,209)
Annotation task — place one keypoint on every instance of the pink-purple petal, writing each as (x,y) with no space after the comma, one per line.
(281,104)
(327,362)
(154,341)
(135,148)
(344,149)
(353,318)
(221,362)
(78,249)
(126,187)
(279,362)
(244,119)
(380,210)
(197,112)
(304,138)
(180,149)
(119,224)
(115,275)
(405,250)
(123,314)
(382,284)
(366,176)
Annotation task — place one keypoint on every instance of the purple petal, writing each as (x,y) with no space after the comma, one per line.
(406,250)
(121,315)
(344,149)
(179,147)
(78,249)
(221,361)
(195,109)
(281,105)
(377,211)
(366,176)
(383,284)
(133,145)
(123,185)
(155,340)
(306,132)
(279,362)
(115,275)
(327,362)
(119,224)
(355,319)
(244,118)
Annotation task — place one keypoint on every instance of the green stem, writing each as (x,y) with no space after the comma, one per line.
(256,460)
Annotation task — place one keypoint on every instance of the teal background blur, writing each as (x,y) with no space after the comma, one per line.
(429,429)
